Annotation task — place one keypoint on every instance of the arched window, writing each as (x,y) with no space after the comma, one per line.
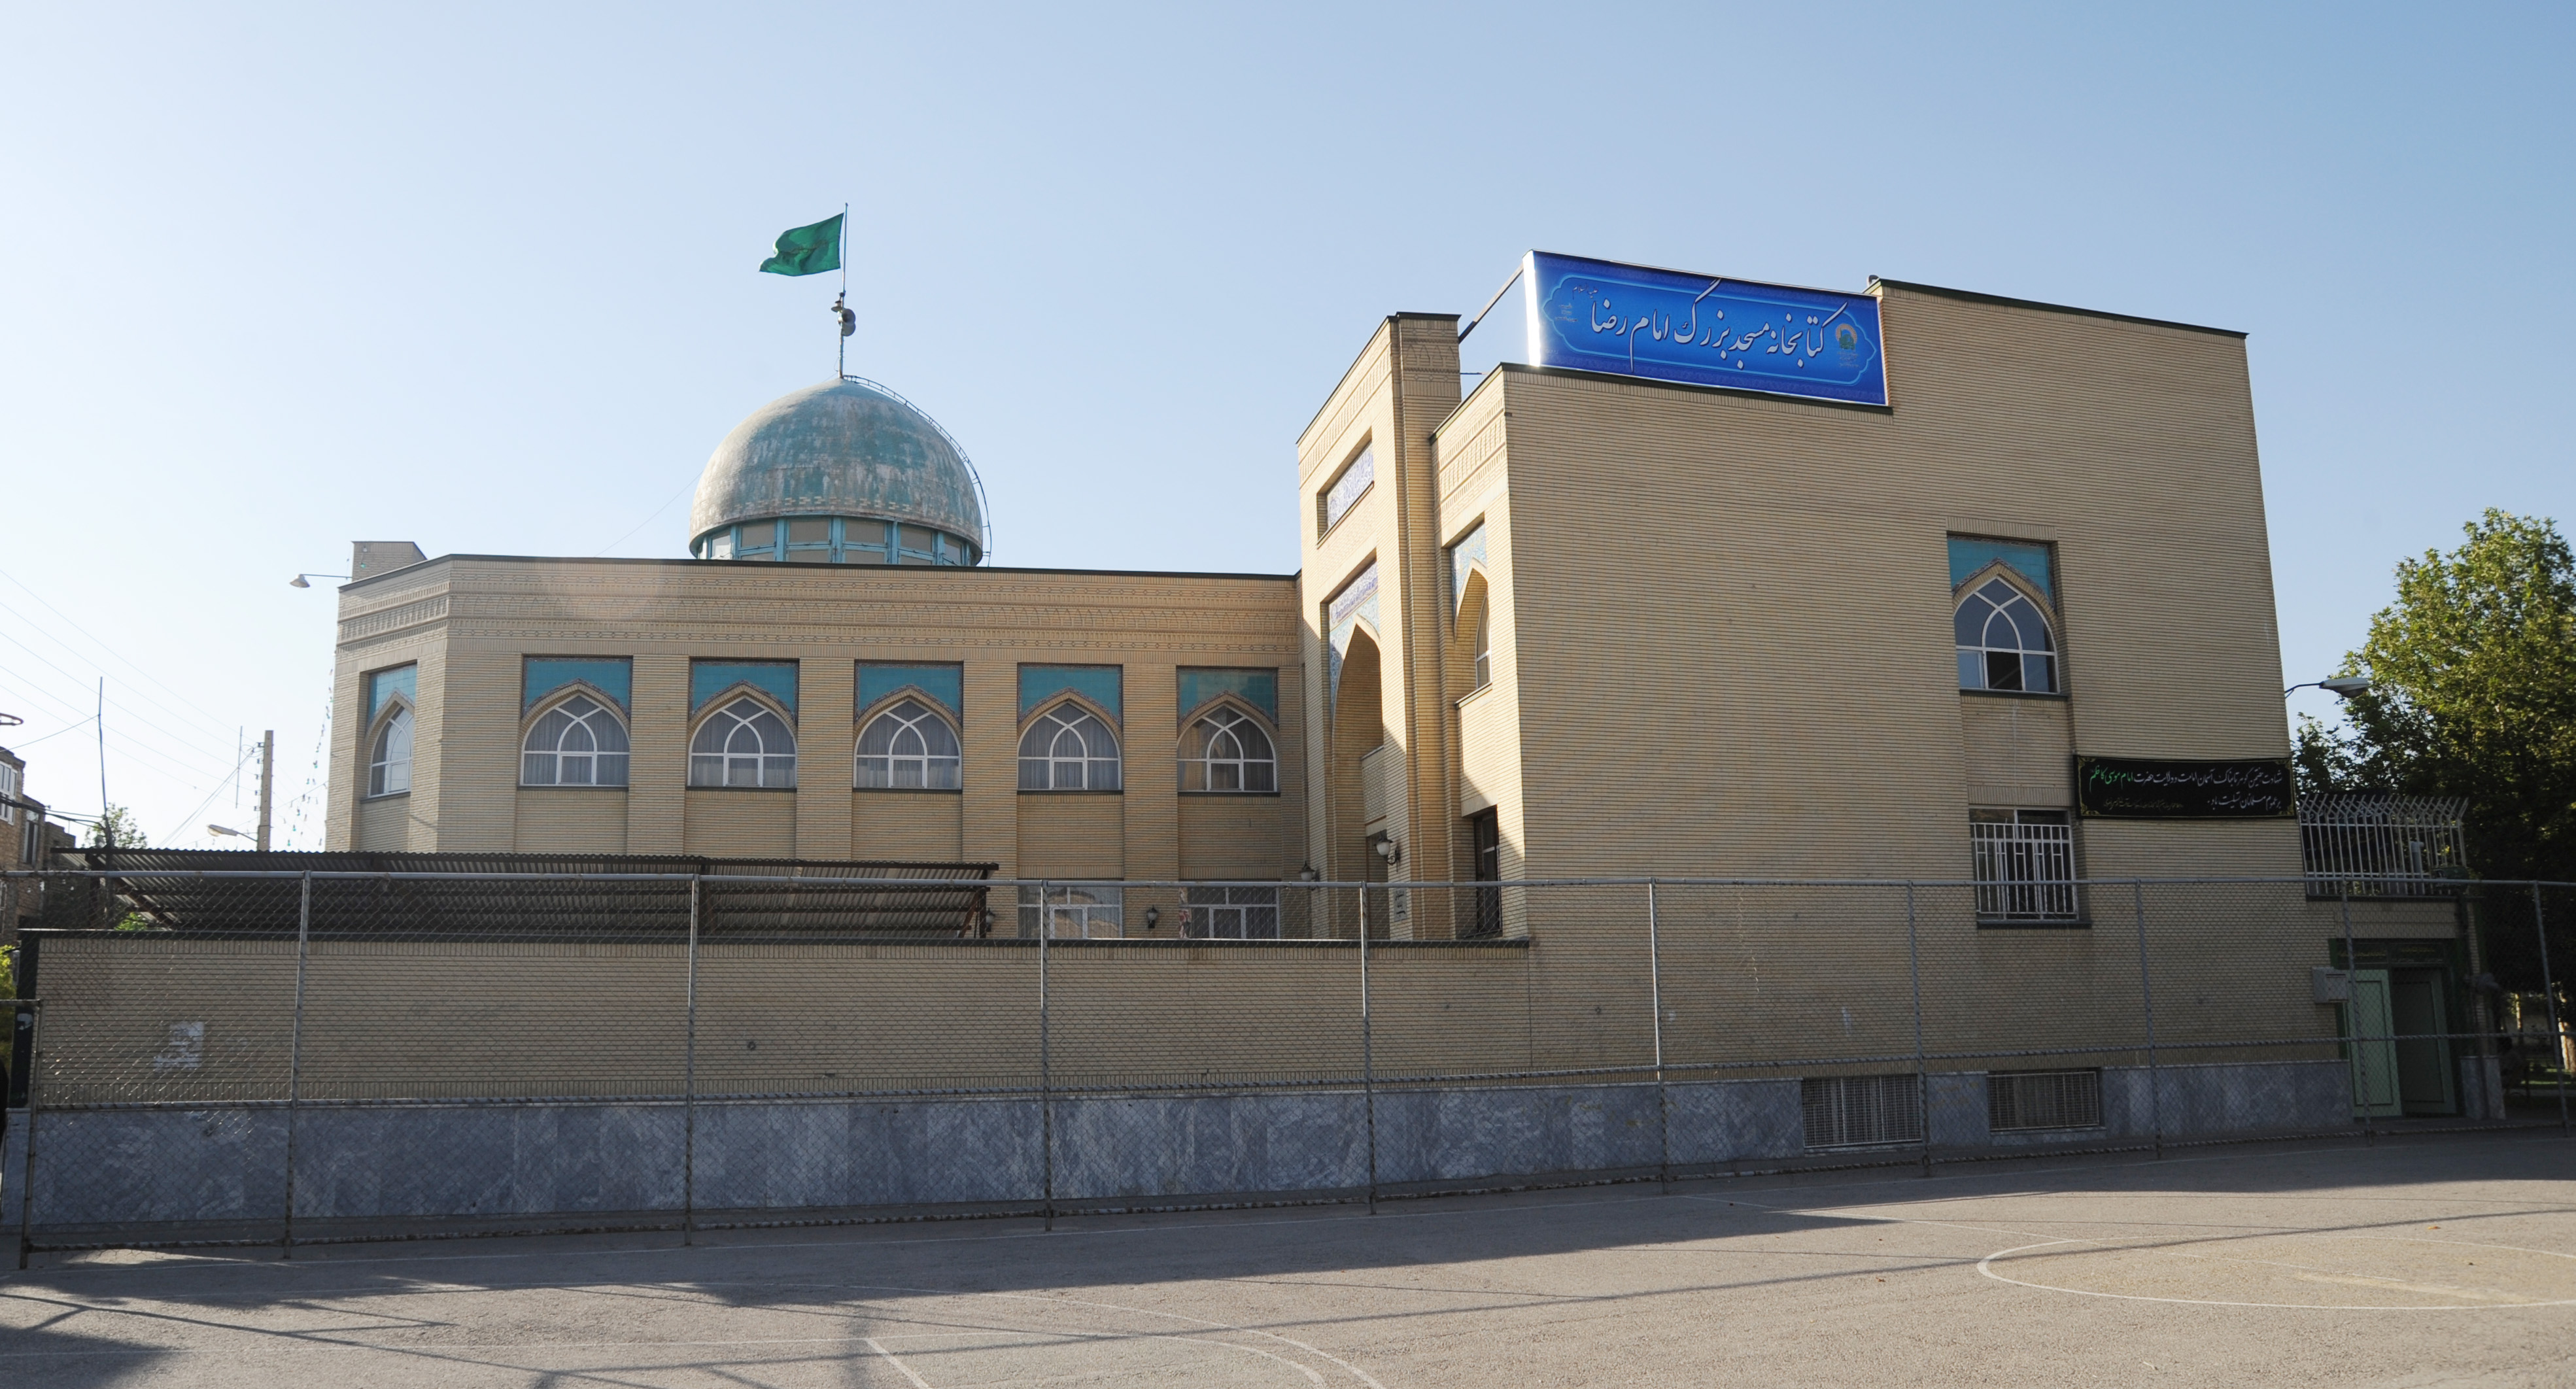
(1068,749)
(1484,643)
(2004,642)
(908,746)
(389,760)
(743,744)
(576,743)
(1227,751)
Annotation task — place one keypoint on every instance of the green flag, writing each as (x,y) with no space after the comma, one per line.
(807,250)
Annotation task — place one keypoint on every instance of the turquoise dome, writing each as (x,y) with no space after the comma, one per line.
(848,458)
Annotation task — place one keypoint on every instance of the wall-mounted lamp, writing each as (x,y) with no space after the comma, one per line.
(1389,850)
(988,922)
(298,580)
(1153,916)
(1308,874)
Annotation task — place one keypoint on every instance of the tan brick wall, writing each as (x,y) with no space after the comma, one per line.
(2019,751)
(570,820)
(1225,836)
(471,621)
(907,825)
(1072,834)
(741,823)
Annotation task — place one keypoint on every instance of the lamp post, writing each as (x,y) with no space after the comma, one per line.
(2340,686)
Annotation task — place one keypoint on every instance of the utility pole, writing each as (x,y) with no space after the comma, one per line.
(267,778)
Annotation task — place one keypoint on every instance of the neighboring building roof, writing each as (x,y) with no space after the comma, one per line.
(847,448)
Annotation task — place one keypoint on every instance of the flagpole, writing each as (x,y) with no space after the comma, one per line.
(841,337)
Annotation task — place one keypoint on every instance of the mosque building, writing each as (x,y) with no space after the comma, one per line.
(1910,582)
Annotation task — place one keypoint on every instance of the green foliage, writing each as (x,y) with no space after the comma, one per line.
(117,828)
(2473,694)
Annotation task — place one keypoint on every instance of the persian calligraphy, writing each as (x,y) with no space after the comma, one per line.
(1641,322)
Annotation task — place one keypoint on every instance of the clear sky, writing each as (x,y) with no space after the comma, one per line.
(482,278)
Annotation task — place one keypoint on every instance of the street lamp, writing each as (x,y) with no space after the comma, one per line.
(233,834)
(298,580)
(2340,686)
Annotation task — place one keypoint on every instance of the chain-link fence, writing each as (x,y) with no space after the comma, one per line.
(283,1058)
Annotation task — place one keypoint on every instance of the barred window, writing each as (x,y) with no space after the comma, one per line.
(2004,642)
(389,761)
(743,744)
(577,743)
(908,746)
(1068,749)
(1230,913)
(1227,751)
(2025,865)
(1088,911)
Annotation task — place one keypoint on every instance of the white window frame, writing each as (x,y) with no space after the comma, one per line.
(1976,659)
(931,770)
(596,720)
(2025,865)
(11,778)
(1078,911)
(1230,913)
(711,768)
(388,775)
(1053,761)
(1202,766)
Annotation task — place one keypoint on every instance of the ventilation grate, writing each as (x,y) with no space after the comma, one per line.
(1861,1111)
(2043,1100)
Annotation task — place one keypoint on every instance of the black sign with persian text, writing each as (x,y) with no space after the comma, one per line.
(2132,788)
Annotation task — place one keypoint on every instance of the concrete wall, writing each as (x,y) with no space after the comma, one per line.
(563,1161)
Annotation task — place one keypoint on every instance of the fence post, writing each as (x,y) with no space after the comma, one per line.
(1922,1081)
(1368,1056)
(2147,1000)
(295,1060)
(2352,1018)
(689,1084)
(35,1010)
(1046,1073)
(1655,997)
(2548,996)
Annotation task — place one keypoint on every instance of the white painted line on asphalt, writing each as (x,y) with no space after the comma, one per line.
(901,1368)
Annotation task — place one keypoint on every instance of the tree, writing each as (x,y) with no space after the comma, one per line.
(117,829)
(2472,694)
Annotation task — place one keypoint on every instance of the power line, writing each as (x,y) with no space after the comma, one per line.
(122,707)
(103,646)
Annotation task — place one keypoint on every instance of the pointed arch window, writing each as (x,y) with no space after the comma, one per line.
(389,757)
(578,742)
(1226,750)
(908,747)
(1068,748)
(2004,641)
(744,743)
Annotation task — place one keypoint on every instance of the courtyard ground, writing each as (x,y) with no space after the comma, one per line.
(2424,1260)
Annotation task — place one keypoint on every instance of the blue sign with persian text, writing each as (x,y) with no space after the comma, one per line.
(1599,316)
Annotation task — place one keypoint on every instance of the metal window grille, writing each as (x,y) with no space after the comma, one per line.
(1091,912)
(2025,867)
(2383,846)
(1861,1111)
(2043,1100)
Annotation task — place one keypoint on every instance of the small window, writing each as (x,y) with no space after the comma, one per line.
(908,747)
(389,761)
(2004,642)
(2025,865)
(1091,911)
(577,743)
(1484,645)
(1068,749)
(1485,847)
(1227,751)
(1345,488)
(1861,1111)
(1230,913)
(2024,1101)
(743,744)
